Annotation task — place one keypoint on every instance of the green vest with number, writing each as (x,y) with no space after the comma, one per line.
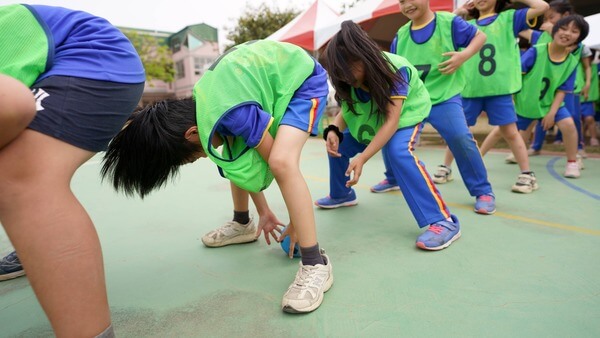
(426,57)
(264,72)
(24,45)
(496,69)
(594,93)
(415,107)
(541,83)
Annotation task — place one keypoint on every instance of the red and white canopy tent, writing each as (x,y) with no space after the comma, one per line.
(310,27)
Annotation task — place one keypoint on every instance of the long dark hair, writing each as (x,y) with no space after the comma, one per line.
(501,5)
(561,6)
(151,147)
(352,44)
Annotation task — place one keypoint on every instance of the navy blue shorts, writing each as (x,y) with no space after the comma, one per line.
(84,113)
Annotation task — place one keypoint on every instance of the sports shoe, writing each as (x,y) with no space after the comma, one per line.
(485,204)
(594,142)
(580,164)
(582,153)
(332,203)
(439,235)
(533,152)
(10,267)
(442,175)
(572,170)
(231,232)
(510,159)
(305,294)
(526,183)
(384,186)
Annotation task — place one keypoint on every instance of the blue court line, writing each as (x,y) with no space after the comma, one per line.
(561,179)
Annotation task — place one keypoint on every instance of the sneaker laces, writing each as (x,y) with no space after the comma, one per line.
(224,230)
(436,229)
(485,198)
(525,179)
(11,260)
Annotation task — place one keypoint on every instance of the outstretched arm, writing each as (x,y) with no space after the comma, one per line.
(458,58)
(536,8)
(268,222)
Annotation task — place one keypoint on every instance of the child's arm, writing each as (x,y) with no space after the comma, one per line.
(333,141)
(536,8)
(268,223)
(389,127)
(458,58)
(587,67)
(548,120)
(463,11)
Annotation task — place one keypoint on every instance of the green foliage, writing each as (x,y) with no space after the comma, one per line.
(347,6)
(155,55)
(258,23)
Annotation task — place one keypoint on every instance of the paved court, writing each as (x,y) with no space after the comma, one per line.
(530,270)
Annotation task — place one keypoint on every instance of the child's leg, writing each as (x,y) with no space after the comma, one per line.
(17,109)
(570,140)
(490,140)
(338,165)
(590,127)
(538,137)
(517,145)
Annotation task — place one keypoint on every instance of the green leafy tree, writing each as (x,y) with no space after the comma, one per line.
(155,55)
(258,23)
(347,6)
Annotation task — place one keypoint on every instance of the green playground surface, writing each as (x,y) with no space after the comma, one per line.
(530,270)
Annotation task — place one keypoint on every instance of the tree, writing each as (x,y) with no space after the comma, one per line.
(258,23)
(156,56)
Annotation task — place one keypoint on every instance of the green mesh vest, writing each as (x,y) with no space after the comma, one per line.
(27,56)
(415,108)
(580,75)
(263,72)
(541,82)
(594,93)
(496,69)
(426,57)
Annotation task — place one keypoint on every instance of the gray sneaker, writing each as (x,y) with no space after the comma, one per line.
(230,233)
(442,175)
(10,267)
(305,294)
(526,183)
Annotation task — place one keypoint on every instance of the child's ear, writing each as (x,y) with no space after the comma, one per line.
(191,134)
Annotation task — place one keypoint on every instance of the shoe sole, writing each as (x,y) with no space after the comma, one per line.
(290,309)
(421,245)
(535,187)
(484,212)
(334,206)
(12,275)
(385,190)
(447,180)
(236,240)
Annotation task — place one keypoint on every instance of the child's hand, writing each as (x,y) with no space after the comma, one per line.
(290,231)
(452,64)
(333,144)
(269,224)
(548,121)
(354,168)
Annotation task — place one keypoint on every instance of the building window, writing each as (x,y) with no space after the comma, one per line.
(176,45)
(179,70)
(201,63)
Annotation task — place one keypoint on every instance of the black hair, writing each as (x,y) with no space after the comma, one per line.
(151,147)
(501,5)
(578,21)
(561,6)
(352,44)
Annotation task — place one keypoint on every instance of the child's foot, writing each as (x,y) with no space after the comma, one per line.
(231,232)
(485,204)
(510,159)
(442,175)
(594,142)
(10,267)
(332,203)
(533,152)
(572,170)
(526,183)
(439,235)
(384,186)
(306,292)
(580,164)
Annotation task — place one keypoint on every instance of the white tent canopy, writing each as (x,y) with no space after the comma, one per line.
(593,38)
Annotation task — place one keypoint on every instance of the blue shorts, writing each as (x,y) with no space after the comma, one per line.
(499,109)
(305,114)
(587,109)
(82,112)
(524,122)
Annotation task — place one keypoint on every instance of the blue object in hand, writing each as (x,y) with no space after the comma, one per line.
(285,245)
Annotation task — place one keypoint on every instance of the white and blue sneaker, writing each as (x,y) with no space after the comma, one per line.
(384,186)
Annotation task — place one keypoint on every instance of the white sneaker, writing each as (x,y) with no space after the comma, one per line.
(582,153)
(526,183)
(306,292)
(532,152)
(442,175)
(572,170)
(580,164)
(230,233)
(510,159)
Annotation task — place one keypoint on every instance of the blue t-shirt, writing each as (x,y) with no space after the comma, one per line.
(462,34)
(86,46)
(250,122)
(520,22)
(528,61)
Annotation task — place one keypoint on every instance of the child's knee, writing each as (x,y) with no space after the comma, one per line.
(18,103)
